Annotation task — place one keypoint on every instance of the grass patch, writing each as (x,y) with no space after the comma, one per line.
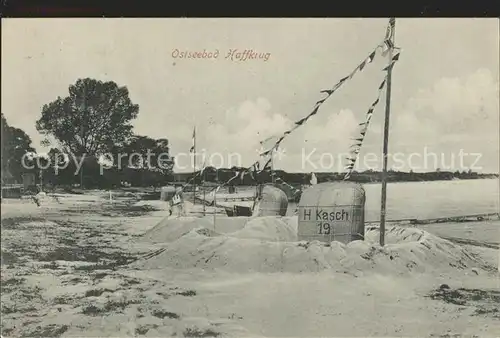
(188,293)
(62,300)
(92,310)
(131,281)
(52,266)
(110,306)
(7,332)
(195,332)
(97,292)
(142,330)
(487,302)
(85,254)
(15,222)
(163,314)
(8,310)
(100,275)
(52,330)
(75,280)
(12,282)
(126,210)
(8,258)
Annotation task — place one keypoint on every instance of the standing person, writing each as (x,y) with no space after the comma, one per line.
(178,200)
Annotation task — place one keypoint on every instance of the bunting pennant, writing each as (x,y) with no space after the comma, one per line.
(193,140)
(394,59)
(362,65)
(372,56)
(267,139)
(320,101)
(389,34)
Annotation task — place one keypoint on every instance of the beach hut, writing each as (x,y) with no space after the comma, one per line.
(332,211)
(167,192)
(272,201)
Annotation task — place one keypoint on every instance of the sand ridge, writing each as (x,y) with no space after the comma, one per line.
(269,244)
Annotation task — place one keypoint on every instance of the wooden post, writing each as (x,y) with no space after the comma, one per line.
(194,165)
(83,126)
(41,180)
(272,166)
(215,207)
(386,140)
(204,195)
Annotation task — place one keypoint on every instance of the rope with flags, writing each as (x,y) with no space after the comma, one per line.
(295,190)
(386,46)
(328,93)
(192,149)
(356,148)
(389,35)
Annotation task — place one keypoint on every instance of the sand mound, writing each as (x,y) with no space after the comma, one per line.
(269,244)
(173,229)
(228,224)
(268,228)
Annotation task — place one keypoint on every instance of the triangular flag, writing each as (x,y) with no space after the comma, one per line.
(299,122)
(387,67)
(194,140)
(352,74)
(382,84)
(315,110)
(362,65)
(321,101)
(267,139)
(371,57)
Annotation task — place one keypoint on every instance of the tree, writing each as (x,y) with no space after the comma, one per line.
(150,157)
(15,144)
(94,117)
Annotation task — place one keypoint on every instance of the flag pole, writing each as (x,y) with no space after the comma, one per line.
(194,165)
(392,25)
(272,166)
(203,187)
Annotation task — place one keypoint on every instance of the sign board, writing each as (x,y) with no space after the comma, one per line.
(330,223)
(177,199)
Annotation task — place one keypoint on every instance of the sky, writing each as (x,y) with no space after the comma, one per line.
(444,108)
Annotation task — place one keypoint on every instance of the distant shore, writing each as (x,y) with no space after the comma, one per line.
(212,175)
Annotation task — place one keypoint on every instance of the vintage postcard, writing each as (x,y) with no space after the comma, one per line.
(250,177)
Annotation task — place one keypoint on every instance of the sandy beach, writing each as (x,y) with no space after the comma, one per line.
(84,266)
